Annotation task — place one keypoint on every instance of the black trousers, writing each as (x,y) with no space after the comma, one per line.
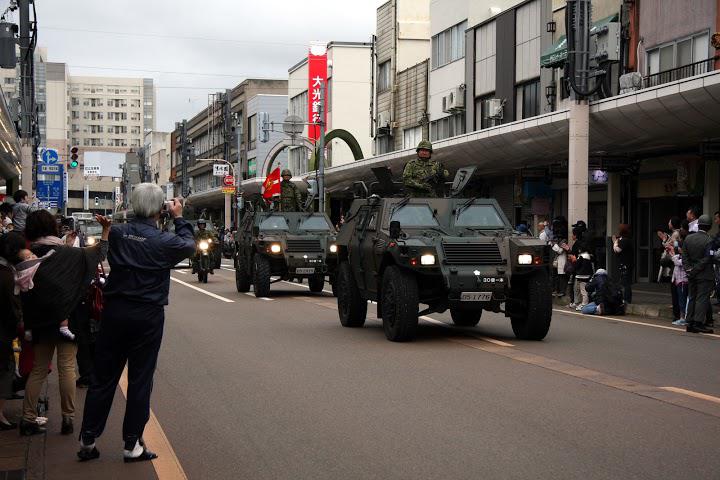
(131,333)
(626,277)
(699,303)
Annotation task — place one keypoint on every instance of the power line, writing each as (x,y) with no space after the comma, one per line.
(177,37)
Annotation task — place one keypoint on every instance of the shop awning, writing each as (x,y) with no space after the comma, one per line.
(557,53)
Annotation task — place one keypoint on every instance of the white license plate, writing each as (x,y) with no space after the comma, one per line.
(304,271)
(475,296)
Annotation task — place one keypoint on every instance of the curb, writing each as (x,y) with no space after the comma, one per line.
(637,309)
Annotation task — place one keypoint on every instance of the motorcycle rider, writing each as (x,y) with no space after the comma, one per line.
(203,234)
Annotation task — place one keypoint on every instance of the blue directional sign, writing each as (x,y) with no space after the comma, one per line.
(49,156)
(50,190)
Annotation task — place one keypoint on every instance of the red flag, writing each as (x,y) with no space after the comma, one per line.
(271,185)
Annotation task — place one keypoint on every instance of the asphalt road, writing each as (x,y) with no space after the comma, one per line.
(277,389)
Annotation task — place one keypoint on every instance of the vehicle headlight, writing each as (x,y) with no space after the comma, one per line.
(427,259)
(333,248)
(209,240)
(91,241)
(275,248)
(204,245)
(525,259)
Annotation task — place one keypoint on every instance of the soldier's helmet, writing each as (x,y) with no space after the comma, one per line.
(705,220)
(424,145)
(286,172)
(201,222)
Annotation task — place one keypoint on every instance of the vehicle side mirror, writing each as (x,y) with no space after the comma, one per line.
(394,229)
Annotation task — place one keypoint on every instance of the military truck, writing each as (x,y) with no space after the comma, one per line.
(445,253)
(284,245)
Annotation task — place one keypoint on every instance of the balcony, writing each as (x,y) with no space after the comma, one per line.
(689,70)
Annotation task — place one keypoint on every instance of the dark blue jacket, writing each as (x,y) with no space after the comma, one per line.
(141,257)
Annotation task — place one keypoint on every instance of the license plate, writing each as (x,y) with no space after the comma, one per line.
(304,271)
(475,296)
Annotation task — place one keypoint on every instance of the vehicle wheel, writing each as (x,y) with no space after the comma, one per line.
(261,276)
(334,287)
(316,283)
(400,301)
(465,318)
(535,324)
(351,306)
(242,276)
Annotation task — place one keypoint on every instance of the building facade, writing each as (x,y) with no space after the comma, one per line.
(401,48)
(276,107)
(349,77)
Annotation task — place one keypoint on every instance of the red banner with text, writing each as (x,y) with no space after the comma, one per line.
(317,81)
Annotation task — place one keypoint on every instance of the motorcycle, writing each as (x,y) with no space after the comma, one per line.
(204,262)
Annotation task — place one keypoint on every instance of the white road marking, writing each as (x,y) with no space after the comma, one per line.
(251,294)
(633,322)
(209,294)
(303,286)
(228,269)
(499,343)
(182,272)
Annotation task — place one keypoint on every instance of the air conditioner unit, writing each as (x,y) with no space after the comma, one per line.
(631,82)
(493,108)
(383,119)
(454,101)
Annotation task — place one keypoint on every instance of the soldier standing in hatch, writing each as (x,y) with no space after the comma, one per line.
(290,200)
(423,175)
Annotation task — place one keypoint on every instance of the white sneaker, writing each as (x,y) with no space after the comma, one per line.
(572,305)
(579,308)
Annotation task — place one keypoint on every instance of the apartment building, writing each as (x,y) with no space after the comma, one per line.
(113,113)
(276,108)
(348,78)
(401,48)
(156,155)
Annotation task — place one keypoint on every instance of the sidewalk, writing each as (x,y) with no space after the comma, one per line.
(53,456)
(651,300)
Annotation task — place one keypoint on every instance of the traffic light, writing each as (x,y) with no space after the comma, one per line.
(97,201)
(74,158)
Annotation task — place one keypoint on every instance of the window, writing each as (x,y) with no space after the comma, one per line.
(479,216)
(10,81)
(528,99)
(411,137)
(448,45)
(447,127)
(315,223)
(678,54)
(415,216)
(384,76)
(252,132)
(485,56)
(274,222)
(528,19)
(299,105)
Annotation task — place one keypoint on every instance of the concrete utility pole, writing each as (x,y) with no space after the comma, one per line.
(227,145)
(321,153)
(579,23)
(27,95)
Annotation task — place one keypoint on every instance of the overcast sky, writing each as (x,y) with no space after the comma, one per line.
(224,40)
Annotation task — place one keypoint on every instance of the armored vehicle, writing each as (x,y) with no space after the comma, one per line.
(285,245)
(446,253)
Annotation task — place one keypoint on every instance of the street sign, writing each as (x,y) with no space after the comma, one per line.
(91,170)
(293,125)
(49,156)
(221,169)
(228,190)
(50,186)
(229,181)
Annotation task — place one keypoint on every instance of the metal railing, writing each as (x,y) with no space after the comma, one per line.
(689,70)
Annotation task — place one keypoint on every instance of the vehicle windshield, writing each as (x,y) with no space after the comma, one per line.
(91,228)
(315,223)
(481,216)
(274,222)
(415,216)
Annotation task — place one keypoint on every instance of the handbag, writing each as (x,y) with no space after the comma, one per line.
(666,261)
(96,298)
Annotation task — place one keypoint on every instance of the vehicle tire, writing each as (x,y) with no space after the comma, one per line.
(400,300)
(261,276)
(317,283)
(242,276)
(334,287)
(535,324)
(352,308)
(465,318)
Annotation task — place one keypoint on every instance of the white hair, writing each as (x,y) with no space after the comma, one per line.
(147,200)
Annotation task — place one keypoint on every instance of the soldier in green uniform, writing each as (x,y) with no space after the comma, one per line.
(204,234)
(290,200)
(423,175)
